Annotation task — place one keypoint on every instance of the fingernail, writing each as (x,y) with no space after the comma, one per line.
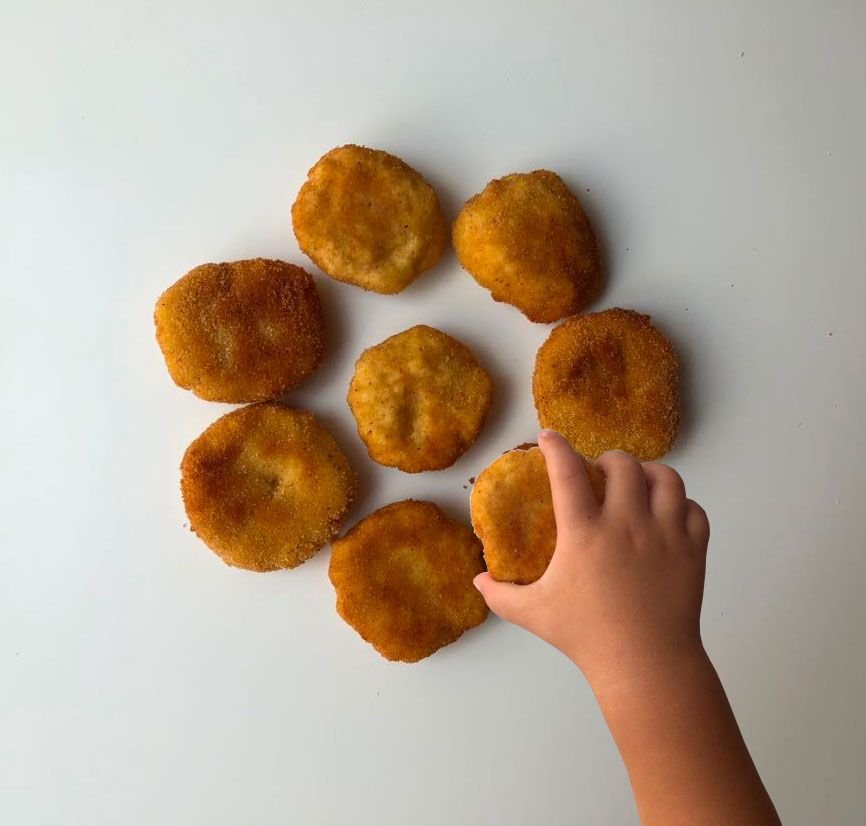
(546,434)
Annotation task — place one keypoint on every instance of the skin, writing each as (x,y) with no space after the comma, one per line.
(622,599)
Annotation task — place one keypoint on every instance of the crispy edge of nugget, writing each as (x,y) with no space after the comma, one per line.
(232,475)
(218,324)
(609,381)
(383,414)
(526,238)
(384,562)
(512,513)
(373,204)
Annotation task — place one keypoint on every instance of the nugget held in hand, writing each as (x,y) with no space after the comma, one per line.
(367,218)
(609,381)
(242,331)
(512,514)
(420,399)
(403,577)
(526,238)
(266,487)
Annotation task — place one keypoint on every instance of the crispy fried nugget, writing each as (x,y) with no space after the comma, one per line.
(512,514)
(609,381)
(266,486)
(527,239)
(242,331)
(403,577)
(367,218)
(420,399)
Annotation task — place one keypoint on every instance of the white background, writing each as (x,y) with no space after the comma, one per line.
(141,680)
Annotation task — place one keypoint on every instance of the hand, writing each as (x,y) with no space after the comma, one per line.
(622,595)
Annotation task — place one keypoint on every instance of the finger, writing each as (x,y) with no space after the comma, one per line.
(505,599)
(626,487)
(697,524)
(666,492)
(573,499)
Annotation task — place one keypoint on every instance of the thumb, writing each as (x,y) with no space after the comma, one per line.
(503,598)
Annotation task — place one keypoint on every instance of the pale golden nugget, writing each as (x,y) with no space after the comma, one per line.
(367,218)
(526,238)
(403,577)
(266,487)
(242,331)
(420,399)
(609,381)
(512,514)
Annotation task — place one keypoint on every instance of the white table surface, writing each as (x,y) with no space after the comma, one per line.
(719,148)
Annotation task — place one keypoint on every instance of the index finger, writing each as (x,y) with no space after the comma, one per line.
(573,499)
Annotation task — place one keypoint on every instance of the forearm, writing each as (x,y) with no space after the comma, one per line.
(686,759)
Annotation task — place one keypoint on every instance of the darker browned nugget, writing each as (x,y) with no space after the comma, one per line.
(512,514)
(526,238)
(266,487)
(367,218)
(403,577)
(242,331)
(420,399)
(609,381)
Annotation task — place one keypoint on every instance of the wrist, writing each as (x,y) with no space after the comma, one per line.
(648,671)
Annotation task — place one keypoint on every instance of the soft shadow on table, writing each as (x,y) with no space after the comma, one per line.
(599,228)
(337,333)
(688,390)
(356,453)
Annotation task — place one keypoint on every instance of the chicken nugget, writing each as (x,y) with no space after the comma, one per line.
(242,331)
(527,239)
(420,399)
(609,381)
(403,577)
(367,218)
(266,487)
(512,514)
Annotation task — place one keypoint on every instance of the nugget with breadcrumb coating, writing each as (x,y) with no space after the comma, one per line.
(367,218)
(420,399)
(526,238)
(266,487)
(241,331)
(512,514)
(403,578)
(609,381)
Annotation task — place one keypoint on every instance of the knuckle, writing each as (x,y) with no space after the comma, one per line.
(666,475)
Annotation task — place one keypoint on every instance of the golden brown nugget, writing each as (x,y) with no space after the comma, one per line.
(526,238)
(609,381)
(420,399)
(512,514)
(242,331)
(403,577)
(367,218)
(266,487)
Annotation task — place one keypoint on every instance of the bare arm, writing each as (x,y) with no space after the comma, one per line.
(622,599)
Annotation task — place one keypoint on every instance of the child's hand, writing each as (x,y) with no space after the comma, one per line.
(622,598)
(622,595)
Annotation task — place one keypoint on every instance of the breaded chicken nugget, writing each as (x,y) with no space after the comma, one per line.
(367,218)
(242,331)
(420,399)
(512,514)
(527,239)
(609,381)
(403,577)
(266,486)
